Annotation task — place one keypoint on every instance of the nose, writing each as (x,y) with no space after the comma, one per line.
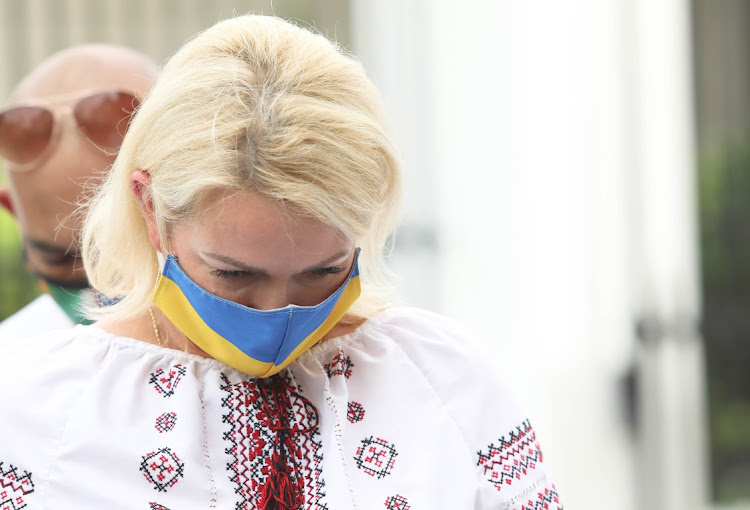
(271,298)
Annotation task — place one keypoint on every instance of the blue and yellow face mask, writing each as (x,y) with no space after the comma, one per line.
(256,342)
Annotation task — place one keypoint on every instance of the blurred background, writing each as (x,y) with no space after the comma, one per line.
(578,193)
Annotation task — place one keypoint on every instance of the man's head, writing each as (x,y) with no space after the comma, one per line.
(46,182)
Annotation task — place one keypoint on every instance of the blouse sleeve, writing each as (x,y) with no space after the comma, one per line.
(508,459)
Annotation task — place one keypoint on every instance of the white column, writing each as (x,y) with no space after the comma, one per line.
(673,459)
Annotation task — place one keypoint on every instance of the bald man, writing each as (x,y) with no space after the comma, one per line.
(60,132)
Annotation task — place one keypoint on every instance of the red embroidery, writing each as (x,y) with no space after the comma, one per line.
(354,412)
(341,364)
(276,456)
(156,506)
(512,457)
(14,487)
(163,468)
(166,422)
(397,502)
(546,499)
(165,384)
(376,457)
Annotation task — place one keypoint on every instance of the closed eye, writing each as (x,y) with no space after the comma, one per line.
(223,273)
(325,271)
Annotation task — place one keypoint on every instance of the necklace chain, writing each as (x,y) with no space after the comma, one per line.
(156,330)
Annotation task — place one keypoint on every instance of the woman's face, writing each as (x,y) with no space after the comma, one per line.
(247,249)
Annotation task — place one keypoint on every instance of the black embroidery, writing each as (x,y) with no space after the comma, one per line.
(376,457)
(15,486)
(163,468)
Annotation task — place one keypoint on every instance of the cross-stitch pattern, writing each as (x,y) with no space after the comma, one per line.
(546,499)
(512,457)
(341,364)
(354,412)
(15,485)
(165,383)
(273,441)
(156,506)
(397,502)
(165,422)
(163,468)
(376,457)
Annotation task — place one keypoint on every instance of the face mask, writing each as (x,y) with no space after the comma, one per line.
(70,296)
(256,342)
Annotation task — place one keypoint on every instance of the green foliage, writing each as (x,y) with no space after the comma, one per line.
(725,241)
(725,223)
(17,286)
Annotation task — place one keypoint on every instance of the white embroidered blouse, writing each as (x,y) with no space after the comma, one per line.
(402,413)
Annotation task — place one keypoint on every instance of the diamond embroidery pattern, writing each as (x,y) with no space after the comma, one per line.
(397,502)
(165,422)
(165,383)
(376,457)
(163,468)
(354,412)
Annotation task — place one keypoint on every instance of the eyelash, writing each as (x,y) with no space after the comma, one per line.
(324,271)
(317,273)
(222,273)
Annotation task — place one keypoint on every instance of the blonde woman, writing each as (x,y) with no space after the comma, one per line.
(252,359)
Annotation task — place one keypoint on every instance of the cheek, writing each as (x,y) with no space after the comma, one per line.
(309,297)
(38,216)
(229,292)
(307,294)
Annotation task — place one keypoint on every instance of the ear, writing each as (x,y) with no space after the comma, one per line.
(5,199)
(140,184)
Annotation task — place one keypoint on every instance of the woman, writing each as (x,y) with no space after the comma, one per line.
(252,360)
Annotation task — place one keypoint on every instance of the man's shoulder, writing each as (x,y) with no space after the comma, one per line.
(40,316)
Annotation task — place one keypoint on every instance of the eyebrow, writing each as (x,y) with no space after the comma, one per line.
(257,270)
(50,248)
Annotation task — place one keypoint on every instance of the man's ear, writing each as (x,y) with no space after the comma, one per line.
(140,184)
(5,199)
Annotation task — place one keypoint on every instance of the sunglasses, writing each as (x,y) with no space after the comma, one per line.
(28,133)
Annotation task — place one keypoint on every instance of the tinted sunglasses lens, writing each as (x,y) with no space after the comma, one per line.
(24,133)
(104,118)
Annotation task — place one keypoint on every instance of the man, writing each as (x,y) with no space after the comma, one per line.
(58,135)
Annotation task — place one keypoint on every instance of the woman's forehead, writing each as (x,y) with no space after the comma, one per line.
(246,220)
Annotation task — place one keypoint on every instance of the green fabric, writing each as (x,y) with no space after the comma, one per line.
(70,301)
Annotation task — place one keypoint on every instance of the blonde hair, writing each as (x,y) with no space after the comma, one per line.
(252,103)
